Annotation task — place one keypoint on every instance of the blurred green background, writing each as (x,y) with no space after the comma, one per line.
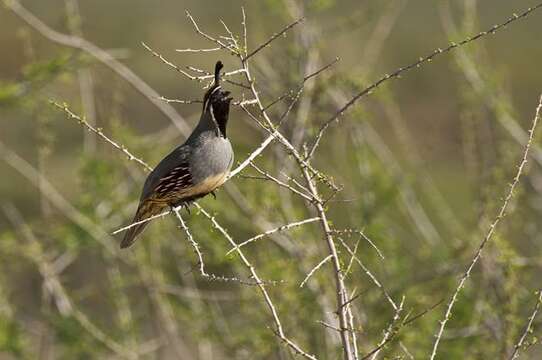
(424,161)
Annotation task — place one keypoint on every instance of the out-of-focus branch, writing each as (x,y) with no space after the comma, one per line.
(64,303)
(84,75)
(489,234)
(471,70)
(422,61)
(56,198)
(104,57)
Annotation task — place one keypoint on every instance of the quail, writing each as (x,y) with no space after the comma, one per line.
(192,170)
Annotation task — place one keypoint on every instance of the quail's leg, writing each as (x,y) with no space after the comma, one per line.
(214,195)
(182,203)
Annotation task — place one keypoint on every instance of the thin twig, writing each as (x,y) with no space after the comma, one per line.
(369,274)
(339,281)
(208,37)
(141,222)
(99,132)
(528,327)
(426,59)
(363,236)
(104,57)
(273,37)
(305,79)
(314,269)
(244,26)
(272,231)
(169,63)
(388,333)
(179,101)
(501,214)
(195,246)
(267,176)
(197,50)
(279,329)
(273,135)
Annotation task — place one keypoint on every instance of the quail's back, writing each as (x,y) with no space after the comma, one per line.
(192,170)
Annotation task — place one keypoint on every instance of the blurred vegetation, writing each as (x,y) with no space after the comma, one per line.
(425,162)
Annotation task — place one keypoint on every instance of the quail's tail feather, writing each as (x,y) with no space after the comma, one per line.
(132,233)
(144,211)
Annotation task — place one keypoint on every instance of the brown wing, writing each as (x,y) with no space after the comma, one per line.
(173,184)
(169,189)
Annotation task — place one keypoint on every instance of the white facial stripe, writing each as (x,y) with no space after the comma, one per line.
(214,120)
(215,89)
(208,97)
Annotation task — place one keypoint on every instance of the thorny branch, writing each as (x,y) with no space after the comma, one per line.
(528,327)
(102,56)
(99,132)
(423,60)
(501,214)
(269,232)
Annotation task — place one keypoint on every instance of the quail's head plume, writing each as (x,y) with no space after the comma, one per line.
(195,168)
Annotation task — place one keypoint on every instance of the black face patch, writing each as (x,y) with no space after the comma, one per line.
(219,105)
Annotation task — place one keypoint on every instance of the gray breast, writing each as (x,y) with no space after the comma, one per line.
(210,157)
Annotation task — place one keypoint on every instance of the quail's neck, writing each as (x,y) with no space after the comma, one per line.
(206,128)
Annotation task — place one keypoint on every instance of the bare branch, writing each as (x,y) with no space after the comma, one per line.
(369,274)
(272,231)
(244,25)
(179,101)
(314,269)
(305,79)
(141,222)
(273,37)
(197,50)
(489,234)
(388,333)
(339,281)
(363,236)
(222,45)
(528,327)
(195,245)
(423,60)
(99,132)
(52,284)
(279,329)
(281,183)
(169,63)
